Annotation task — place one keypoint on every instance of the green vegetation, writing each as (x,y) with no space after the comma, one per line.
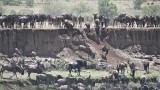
(137,4)
(57,8)
(23,83)
(2,10)
(30,3)
(151,10)
(82,9)
(105,7)
(26,11)
(12,2)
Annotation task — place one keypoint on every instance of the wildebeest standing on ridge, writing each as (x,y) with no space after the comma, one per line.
(78,64)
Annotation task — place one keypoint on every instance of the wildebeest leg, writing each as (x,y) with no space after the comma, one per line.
(29,74)
(37,83)
(14,73)
(118,70)
(133,73)
(79,72)
(147,69)
(2,70)
(70,70)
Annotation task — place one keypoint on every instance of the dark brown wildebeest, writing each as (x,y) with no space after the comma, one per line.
(120,18)
(106,21)
(46,78)
(146,66)
(12,68)
(132,68)
(124,79)
(78,64)
(68,24)
(121,67)
(80,20)
(39,68)
(105,51)
(114,78)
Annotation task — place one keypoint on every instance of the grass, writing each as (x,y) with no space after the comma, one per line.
(23,83)
(94,74)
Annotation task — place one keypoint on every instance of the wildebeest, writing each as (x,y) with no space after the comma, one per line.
(146,66)
(68,24)
(80,20)
(114,78)
(143,80)
(46,78)
(12,68)
(120,18)
(121,67)
(39,68)
(78,64)
(124,79)
(132,67)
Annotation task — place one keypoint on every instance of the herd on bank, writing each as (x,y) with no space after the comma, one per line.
(70,21)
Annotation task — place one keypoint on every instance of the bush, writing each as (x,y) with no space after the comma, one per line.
(12,2)
(82,9)
(26,12)
(151,10)
(105,7)
(137,4)
(30,3)
(57,8)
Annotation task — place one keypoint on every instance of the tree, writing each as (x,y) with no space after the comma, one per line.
(105,7)
(30,3)
(138,3)
(151,10)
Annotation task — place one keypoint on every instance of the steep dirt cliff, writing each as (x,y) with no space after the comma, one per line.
(43,41)
(146,40)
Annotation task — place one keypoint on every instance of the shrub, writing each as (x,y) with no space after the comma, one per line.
(2,10)
(151,10)
(26,11)
(137,4)
(30,3)
(105,7)
(12,2)
(82,9)
(57,8)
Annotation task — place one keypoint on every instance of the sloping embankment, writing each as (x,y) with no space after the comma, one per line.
(147,38)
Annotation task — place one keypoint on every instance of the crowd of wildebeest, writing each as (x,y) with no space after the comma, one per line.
(116,80)
(70,21)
